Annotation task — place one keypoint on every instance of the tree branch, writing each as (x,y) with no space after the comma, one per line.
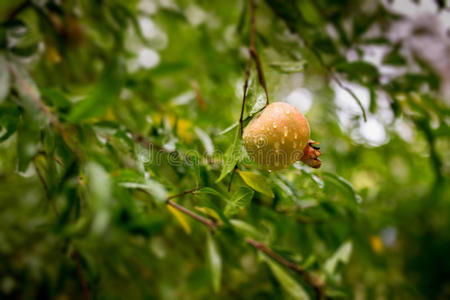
(53,120)
(321,61)
(253,54)
(41,105)
(210,224)
(316,283)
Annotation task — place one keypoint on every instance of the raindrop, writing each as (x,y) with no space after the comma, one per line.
(270,171)
(282,141)
(295,136)
(286,131)
(274,125)
(287,112)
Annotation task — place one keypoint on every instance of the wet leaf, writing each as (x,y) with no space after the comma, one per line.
(257,182)
(232,156)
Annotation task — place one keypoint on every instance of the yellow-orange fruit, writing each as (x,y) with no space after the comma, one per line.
(277,137)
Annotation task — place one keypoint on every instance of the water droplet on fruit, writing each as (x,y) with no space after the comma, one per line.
(274,125)
(295,136)
(286,131)
(282,141)
(277,145)
(287,112)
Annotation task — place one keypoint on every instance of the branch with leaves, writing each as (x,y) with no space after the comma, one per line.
(316,283)
(253,55)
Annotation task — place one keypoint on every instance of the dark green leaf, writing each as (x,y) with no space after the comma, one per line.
(4,78)
(101,97)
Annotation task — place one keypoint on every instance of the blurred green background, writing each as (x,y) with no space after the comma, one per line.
(107,107)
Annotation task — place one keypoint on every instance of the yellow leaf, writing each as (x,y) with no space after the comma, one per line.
(210,212)
(376,243)
(110,116)
(181,219)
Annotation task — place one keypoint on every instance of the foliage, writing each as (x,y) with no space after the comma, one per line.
(107,108)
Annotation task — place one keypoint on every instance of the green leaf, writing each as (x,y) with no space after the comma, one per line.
(342,254)
(215,263)
(9,120)
(257,105)
(325,45)
(360,71)
(240,199)
(257,182)
(232,156)
(289,67)
(292,287)
(4,78)
(373,99)
(344,183)
(28,140)
(102,96)
(228,129)
(55,98)
(154,188)
(394,58)
(206,140)
(210,191)
(246,229)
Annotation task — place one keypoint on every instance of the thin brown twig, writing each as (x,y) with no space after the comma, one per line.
(244,96)
(84,285)
(253,55)
(41,105)
(211,225)
(192,191)
(262,80)
(53,120)
(252,50)
(315,283)
(322,63)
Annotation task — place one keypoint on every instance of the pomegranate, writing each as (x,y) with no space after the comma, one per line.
(279,136)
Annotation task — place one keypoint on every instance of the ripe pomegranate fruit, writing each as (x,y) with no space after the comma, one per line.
(279,136)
